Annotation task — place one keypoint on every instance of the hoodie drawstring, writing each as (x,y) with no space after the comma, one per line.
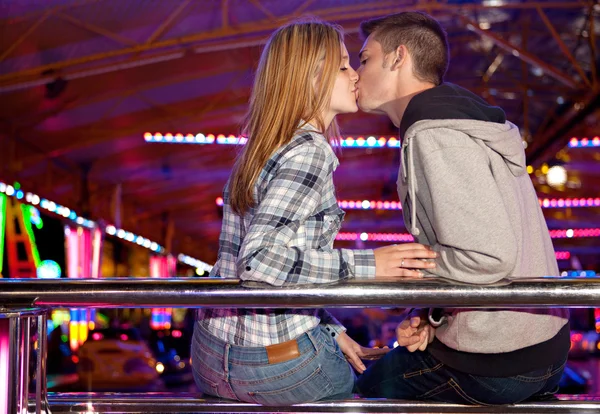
(409,173)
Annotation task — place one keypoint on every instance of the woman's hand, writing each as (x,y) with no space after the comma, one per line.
(403,260)
(354,352)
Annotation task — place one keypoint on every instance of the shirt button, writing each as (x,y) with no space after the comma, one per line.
(248,268)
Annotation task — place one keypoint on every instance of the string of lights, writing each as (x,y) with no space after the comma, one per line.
(69,214)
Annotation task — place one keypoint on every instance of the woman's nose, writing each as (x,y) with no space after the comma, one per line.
(353,75)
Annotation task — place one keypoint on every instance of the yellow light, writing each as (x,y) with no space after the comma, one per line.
(545,169)
(530,169)
(73,331)
(160,368)
(83,332)
(91,326)
(598,346)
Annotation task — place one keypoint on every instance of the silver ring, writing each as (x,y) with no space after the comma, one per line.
(402,263)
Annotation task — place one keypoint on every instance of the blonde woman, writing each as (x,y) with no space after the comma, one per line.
(280,220)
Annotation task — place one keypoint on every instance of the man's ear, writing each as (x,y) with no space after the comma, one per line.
(400,55)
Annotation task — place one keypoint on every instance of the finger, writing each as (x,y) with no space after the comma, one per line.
(431,334)
(414,347)
(406,247)
(405,330)
(418,264)
(415,321)
(412,274)
(396,273)
(410,341)
(425,340)
(415,254)
(356,363)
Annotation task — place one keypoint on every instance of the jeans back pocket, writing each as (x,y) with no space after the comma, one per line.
(314,387)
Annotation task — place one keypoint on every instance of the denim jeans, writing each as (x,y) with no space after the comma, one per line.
(419,376)
(321,372)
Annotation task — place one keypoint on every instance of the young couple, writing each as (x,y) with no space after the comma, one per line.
(466,197)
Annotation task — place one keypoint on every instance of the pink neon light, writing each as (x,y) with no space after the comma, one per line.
(72,253)
(4,355)
(562,255)
(386,237)
(161,266)
(176,333)
(405,237)
(569,202)
(395,205)
(574,233)
(96,248)
(96,336)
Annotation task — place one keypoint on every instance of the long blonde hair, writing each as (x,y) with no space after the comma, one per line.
(284,95)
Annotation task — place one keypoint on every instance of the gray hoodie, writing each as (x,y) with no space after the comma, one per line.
(465,191)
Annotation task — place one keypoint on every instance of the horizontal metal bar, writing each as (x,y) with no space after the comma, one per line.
(191,403)
(191,293)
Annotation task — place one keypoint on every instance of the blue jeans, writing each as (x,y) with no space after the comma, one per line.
(243,373)
(419,376)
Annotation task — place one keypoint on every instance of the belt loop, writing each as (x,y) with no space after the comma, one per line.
(226,361)
(312,339)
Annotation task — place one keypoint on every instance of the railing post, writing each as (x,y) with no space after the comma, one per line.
(41,388)
(15,347)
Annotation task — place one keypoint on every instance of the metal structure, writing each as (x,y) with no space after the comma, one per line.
(81,81)
(214,292)
(18,294)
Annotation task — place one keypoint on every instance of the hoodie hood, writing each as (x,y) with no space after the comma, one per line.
(451,107)
(447,103)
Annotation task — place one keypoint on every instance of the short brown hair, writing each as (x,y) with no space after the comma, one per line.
(422,35)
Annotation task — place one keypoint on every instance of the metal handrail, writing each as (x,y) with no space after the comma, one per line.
(18,295)
(215,292)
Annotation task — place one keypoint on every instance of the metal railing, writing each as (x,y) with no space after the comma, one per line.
(24,301)
(193,293)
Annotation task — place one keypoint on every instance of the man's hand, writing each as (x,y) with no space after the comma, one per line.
(354,353)
(415,332)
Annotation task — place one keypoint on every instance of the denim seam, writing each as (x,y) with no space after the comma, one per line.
(286,374)
(422,371)
(334,353)
(542,378)
(205,367)
(463,394)
(293,387)
(209,382)
(432,393)
(545,377)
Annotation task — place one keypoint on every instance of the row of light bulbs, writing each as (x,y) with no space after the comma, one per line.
(69,214)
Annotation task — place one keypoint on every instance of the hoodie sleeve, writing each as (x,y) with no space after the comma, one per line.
(475,239)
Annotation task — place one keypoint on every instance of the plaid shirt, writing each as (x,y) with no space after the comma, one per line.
(287,239)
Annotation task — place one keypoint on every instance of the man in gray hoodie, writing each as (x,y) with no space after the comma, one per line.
(465,191)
